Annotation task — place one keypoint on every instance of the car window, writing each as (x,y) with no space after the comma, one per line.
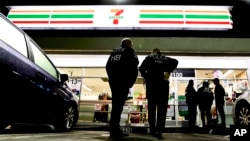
(41,60)
(12,36)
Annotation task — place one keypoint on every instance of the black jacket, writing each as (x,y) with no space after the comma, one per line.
(191,95)
(205,97)
(122,66)
(219,93)
(153,67)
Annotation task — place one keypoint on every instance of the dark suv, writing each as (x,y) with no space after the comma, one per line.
(31,88)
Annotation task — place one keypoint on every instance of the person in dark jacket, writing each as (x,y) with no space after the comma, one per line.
(219,93)
(154,69)
(205,103)
(192,102)
(122,71)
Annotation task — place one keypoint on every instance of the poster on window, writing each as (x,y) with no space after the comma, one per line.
(75,85)
(170,111)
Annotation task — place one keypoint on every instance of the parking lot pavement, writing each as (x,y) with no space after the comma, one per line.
(83,135)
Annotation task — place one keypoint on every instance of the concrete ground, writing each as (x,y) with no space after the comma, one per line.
(82,135)
(46,134)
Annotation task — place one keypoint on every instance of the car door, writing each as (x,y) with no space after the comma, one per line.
(48,98)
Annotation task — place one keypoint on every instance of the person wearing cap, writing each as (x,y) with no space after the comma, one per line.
(155,69)
(205,103)
(122,71)
(219,93)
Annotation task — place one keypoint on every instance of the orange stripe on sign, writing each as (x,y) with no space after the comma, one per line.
(73,10)
(15,10)
(161,11)
(114,10)
(206,11)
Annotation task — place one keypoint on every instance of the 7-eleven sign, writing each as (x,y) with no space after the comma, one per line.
(116,15)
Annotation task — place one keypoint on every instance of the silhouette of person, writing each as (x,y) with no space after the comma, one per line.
(192,102)
(153,69)
(219,93)
(122,71)
(104,109)
(97,113)
(205,102)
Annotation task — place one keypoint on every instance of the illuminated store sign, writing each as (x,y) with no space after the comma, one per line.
(122,17)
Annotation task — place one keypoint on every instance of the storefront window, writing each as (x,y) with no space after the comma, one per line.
(233,81)
(92,84)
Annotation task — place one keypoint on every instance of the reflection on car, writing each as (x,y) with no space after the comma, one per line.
(241,109)
(32,90)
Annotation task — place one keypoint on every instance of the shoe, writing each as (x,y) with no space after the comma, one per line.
(152,131)
(153,134)
(193,128)
(159,136)
(118,134)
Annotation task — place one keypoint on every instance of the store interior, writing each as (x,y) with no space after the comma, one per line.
(93,82)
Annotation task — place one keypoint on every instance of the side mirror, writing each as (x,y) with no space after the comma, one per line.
(64,78)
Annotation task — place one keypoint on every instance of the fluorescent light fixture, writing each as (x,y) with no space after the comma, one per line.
(86,88)
(227,73)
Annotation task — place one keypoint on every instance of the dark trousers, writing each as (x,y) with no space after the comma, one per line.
(97,116)
(192,113)
(104,113)
(157,106)
(205,112)
(220,109)
(119,96)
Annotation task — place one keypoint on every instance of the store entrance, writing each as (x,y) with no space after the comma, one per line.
(177,115)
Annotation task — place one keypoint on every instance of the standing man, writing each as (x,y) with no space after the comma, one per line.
(219,93)
(122,71)
(155,70)
(192,102)
(205,102)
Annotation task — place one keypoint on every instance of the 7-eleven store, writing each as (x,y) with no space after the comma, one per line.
(84,59)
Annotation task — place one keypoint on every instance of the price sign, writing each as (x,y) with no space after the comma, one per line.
(75,84)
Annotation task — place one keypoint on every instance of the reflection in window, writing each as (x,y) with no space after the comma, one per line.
(13,37)
(41,60)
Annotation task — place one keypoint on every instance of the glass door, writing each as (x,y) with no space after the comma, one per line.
(178,83)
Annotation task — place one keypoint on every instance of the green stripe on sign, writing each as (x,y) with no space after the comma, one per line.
(161,16)
(208,16)
(29,16)
(73,16)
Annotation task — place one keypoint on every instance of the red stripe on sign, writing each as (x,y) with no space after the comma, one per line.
(71,22)
(197,22)
(30,22)
(161,22)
